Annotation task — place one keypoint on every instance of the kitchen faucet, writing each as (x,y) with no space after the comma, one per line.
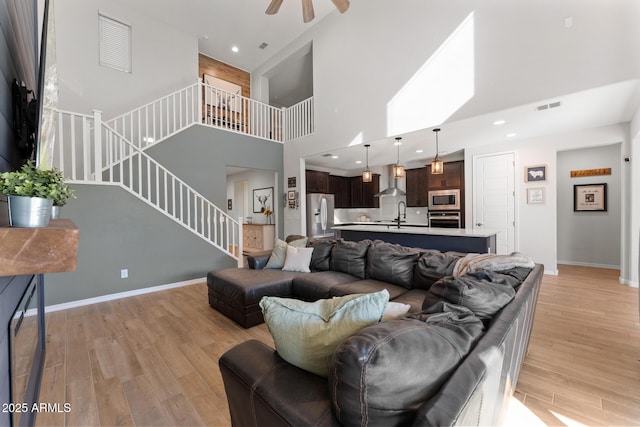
(401,202)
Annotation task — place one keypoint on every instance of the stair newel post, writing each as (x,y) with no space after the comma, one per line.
(97,150)
(200,103)
(239,256)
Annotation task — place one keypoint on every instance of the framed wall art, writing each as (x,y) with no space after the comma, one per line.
(262,199)
(590,198)
(535,195)
(536,173)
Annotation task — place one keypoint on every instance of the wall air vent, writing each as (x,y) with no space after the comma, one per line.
(263,45)
(548,106)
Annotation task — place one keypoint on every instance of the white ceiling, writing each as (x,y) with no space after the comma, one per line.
(243,23)
(596,107)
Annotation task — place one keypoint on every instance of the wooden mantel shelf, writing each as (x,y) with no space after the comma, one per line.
(52,249)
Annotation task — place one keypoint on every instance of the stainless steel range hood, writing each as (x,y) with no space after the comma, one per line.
(393,189)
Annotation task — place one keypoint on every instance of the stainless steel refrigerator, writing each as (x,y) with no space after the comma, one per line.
(320,215)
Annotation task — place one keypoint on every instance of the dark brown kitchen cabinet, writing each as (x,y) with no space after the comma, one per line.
(340,187)
(452,177)
(417,187)
(317,182)
(351,192)
(362,193)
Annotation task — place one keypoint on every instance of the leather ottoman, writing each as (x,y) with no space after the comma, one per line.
(236,292)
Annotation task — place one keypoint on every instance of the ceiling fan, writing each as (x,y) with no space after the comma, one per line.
(307,8)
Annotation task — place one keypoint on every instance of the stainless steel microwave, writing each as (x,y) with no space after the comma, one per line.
(444,200)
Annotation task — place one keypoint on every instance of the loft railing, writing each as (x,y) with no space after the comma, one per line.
(89,151)
(211,106)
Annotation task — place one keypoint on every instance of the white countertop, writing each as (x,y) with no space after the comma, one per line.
(378,227)
(383,223)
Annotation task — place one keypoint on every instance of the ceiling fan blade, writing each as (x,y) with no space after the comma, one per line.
(341,5)
(307,11)
(274,7)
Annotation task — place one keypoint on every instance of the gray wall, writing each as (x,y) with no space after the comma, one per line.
(199,156)
(119,231)
(589,238)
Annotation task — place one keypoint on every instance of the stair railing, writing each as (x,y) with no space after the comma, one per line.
(211,106)
(85,155)
(160,119)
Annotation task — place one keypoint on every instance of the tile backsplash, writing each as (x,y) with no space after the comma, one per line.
(414,215)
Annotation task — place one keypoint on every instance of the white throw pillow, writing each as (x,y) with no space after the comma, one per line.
(298,259)
(395,310)
(279,252)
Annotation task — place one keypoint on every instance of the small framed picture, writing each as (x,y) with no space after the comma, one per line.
(535,195)
(590,198)
(291,195)
(537,173)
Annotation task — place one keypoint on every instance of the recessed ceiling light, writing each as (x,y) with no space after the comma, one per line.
(334,157)
(419,151)
(499,122)
(511,135)
(234,49)
(358,162)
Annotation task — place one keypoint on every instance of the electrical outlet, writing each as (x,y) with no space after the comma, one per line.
(124,273)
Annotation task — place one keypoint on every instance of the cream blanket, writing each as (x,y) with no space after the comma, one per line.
(491,262)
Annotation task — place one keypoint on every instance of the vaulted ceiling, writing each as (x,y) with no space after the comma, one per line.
(221,24)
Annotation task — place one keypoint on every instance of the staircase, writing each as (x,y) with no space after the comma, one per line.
(90,150)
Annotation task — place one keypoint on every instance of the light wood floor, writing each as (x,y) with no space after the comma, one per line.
(152,359)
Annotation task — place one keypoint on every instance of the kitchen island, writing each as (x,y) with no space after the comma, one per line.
(442,239)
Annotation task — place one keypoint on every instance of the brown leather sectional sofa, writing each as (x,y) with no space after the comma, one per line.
(433,367)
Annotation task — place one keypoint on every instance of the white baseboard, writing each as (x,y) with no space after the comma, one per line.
(630,283)
(590,264)
(110,297)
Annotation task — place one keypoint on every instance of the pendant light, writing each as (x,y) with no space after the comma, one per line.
(437,166)
(366,174)
(398,169)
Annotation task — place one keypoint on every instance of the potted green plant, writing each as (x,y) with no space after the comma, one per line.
(32,192)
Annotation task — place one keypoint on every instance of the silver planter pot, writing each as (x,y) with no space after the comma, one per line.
(29,212)
(55,212)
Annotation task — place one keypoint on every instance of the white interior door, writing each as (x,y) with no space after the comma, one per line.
(240,196)
(494,198)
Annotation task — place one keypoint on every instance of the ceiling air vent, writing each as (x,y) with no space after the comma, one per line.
(543,107)
(263,45)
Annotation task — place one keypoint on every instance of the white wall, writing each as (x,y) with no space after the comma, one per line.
(163,59)
(358,72)
(256,179)
(536,226)
(631,271)
(590,238)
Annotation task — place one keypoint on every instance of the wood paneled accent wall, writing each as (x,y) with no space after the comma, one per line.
(213,67)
